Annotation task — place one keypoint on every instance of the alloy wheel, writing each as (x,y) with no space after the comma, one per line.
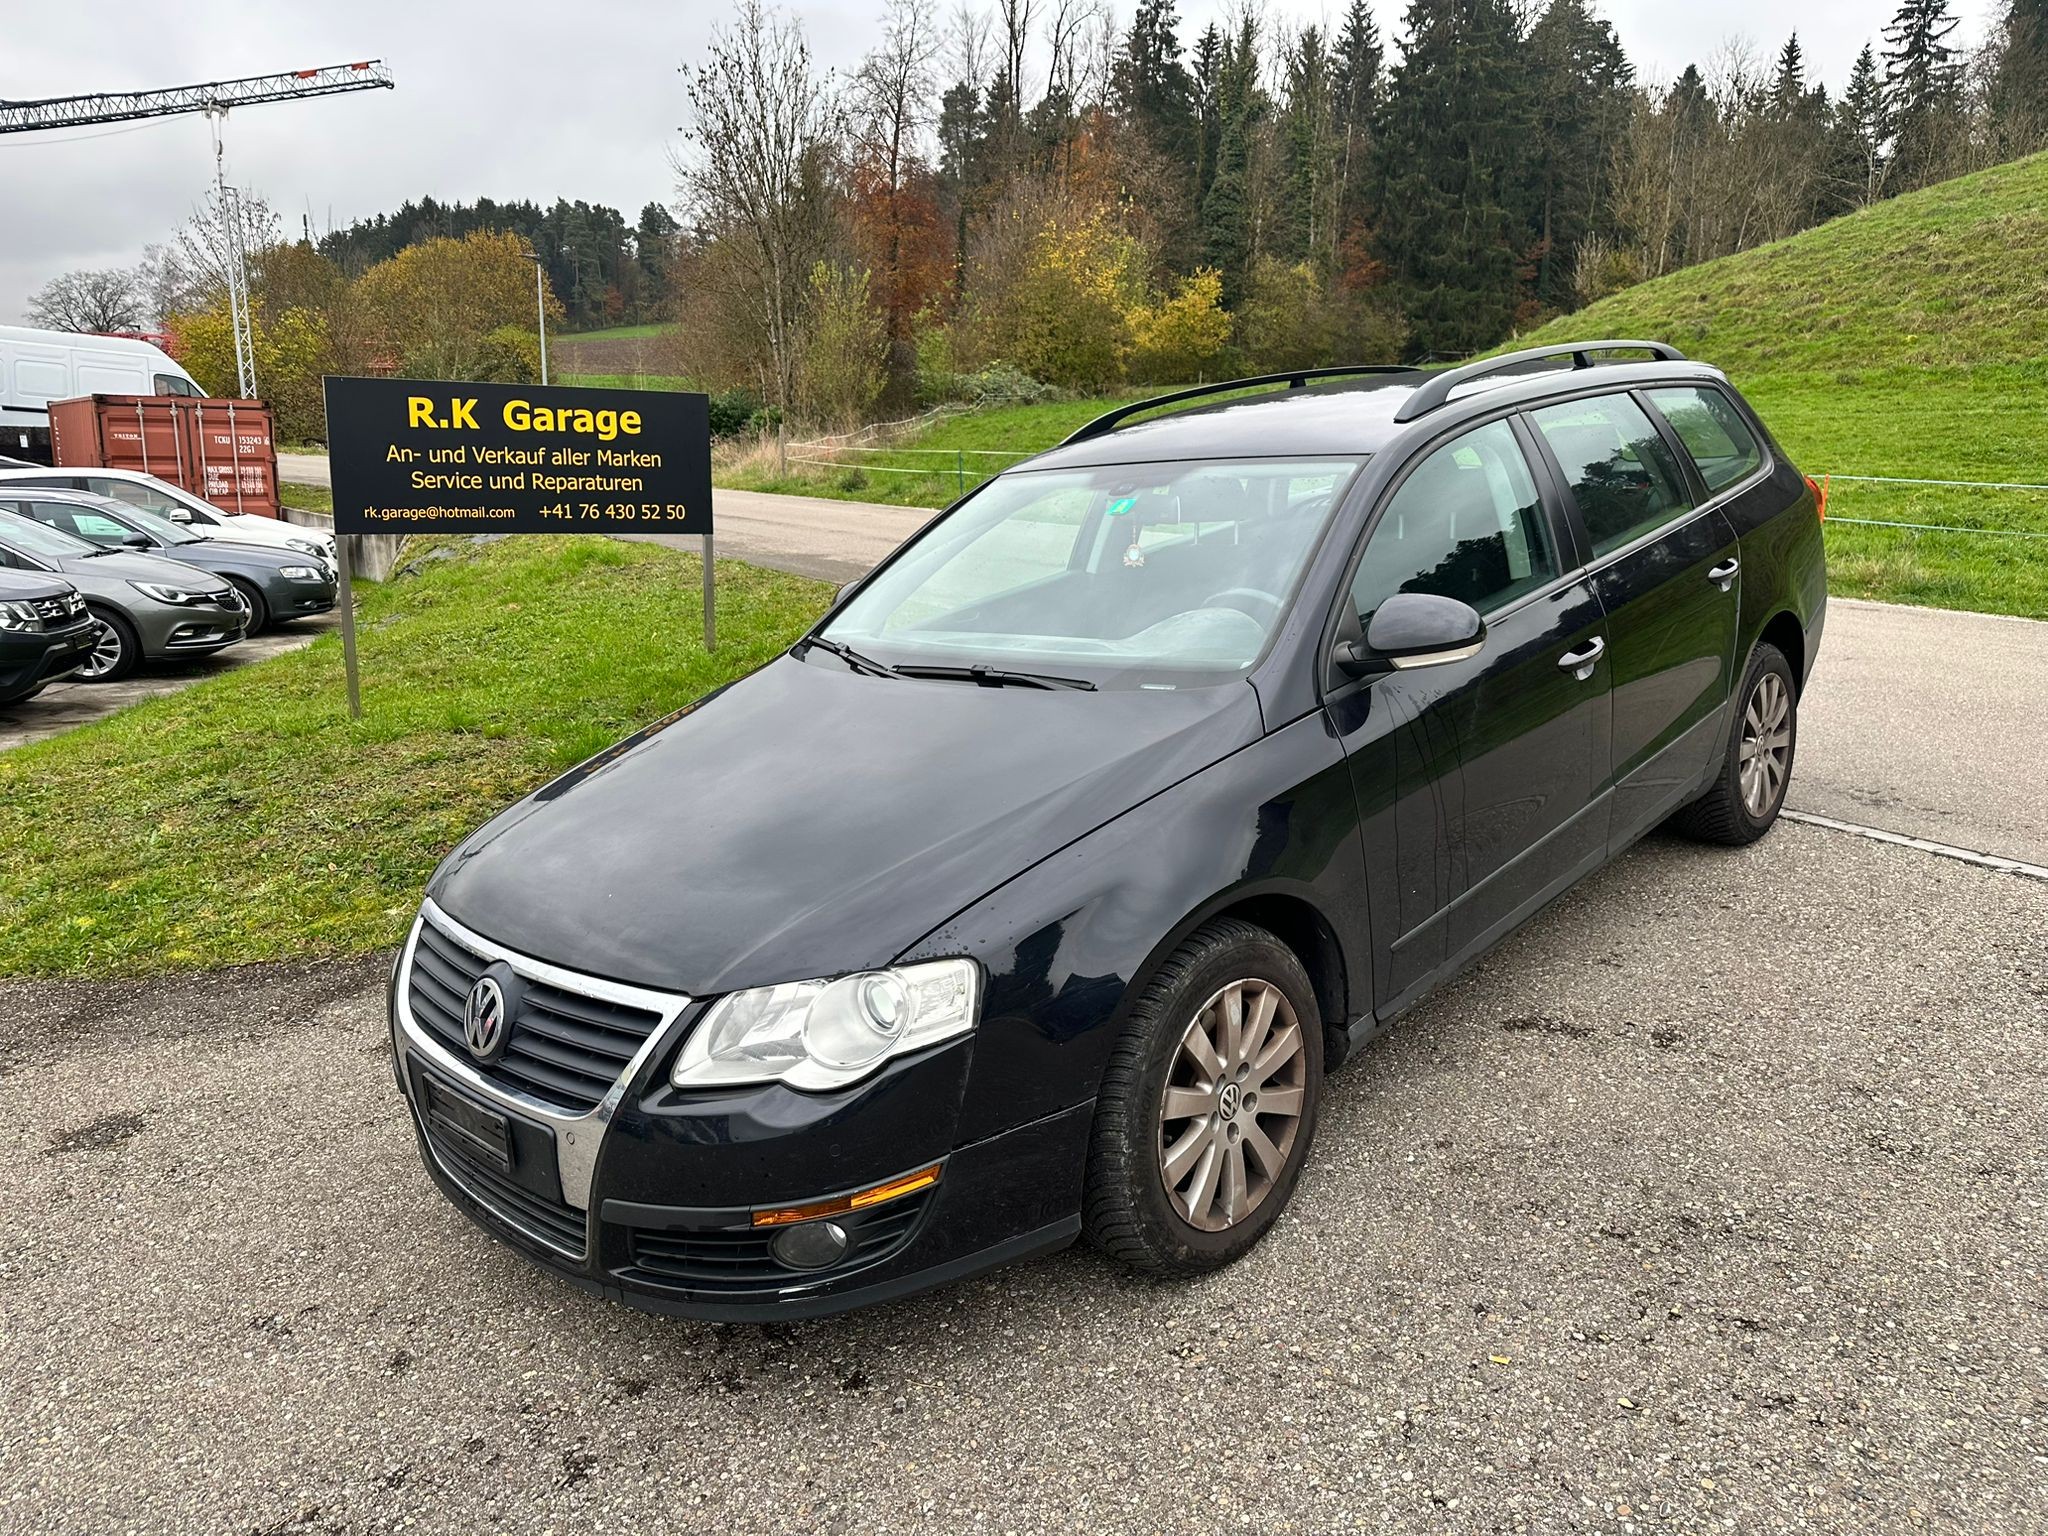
(1766,752)
(105,654)
(1231,1110)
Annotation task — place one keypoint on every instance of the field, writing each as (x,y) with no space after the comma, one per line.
(625,356)
(1911,340)
(247,818)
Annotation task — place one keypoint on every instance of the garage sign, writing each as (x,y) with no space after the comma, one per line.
(429,456)
(435,456)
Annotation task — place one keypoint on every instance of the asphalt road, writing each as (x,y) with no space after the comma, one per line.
(831,540)
(1712,1202)
(1931,723)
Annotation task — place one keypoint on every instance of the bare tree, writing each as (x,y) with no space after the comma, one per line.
(87,301)
(887,116)
(192,271)
(755,177)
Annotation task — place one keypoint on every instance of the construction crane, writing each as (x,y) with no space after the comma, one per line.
(214,98)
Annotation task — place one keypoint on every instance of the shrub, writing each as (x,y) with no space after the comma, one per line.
(1183,336)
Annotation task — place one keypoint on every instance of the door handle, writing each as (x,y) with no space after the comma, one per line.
(1580,663)
(1723,575)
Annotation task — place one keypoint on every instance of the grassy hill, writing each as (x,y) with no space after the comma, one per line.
(1910,339)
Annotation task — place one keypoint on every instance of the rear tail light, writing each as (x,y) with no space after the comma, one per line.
(1820,495)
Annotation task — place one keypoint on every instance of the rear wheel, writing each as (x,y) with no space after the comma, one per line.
(1750,791)
(1208,1106)
(115,653)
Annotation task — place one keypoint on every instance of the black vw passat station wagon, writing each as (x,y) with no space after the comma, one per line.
(1036,890)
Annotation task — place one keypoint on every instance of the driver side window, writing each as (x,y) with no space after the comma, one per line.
(1466,523)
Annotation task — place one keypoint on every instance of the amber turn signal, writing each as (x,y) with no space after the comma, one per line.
(895,1189)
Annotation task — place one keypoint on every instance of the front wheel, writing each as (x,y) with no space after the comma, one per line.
(116,651)
(1208,1105)
(1757,768)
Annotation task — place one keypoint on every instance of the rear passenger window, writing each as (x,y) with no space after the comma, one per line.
(1713,432)
(1466,524)
(1625,479)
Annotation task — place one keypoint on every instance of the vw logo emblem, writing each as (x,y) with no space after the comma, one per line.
(485,1017)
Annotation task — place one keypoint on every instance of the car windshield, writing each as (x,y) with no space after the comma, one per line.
(162,529)
(41,539)
(1113,573)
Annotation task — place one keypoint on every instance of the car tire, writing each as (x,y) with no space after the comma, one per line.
(259,610)
(118,652)
(1161,1184)
(1744,801)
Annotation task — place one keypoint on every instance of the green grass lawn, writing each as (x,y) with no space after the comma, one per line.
(611,333)
(939,464)
(307,498)
(623,380)
(247,818)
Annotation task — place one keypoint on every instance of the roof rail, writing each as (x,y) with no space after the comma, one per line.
(1297,379)
(1437,388)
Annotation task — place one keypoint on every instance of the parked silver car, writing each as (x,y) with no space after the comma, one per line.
(148,608)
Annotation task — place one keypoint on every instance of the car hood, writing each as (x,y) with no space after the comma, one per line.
(246,551)
(122,565)
(19,586)
(809,821)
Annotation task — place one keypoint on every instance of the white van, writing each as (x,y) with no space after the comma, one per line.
(37,367)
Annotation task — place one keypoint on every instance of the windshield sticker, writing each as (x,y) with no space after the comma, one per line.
(1121,505)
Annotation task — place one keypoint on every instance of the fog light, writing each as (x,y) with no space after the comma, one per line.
(813,1245)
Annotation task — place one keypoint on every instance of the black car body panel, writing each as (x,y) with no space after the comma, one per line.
(61,638)
(816,819)
(873,788)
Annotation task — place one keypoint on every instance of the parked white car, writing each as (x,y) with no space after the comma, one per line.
(180,506)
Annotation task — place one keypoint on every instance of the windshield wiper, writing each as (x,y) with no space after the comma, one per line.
(853,658)
(996,677)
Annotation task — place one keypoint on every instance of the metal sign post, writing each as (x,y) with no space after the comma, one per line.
(345,558)
(710,601)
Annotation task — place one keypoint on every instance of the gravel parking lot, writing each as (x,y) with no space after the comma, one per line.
(1714,1201)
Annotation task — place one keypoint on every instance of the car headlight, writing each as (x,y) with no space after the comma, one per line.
(298,573)
(306,547)
(817,1035)
(177,597)
(19,616)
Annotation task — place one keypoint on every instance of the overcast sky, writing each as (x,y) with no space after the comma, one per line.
(518,99)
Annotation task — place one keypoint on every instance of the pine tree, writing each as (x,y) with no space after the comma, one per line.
(1210,61)
(1355,87)
(1153,89)
(1856,138)
(1790,87)
(1226,209)
(1923,83)
(1581,92)
(2018,98)
(1310,162)
(1452,149)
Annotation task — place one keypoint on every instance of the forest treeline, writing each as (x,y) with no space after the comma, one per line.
(1022,195)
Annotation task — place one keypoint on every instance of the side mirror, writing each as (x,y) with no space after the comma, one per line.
(137,541)
(179,515)
(1415,629)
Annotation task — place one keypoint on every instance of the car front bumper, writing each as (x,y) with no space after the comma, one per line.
(29,659)
(651,1197)
(188,629)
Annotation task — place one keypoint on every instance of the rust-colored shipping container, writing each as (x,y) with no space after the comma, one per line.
(221,450)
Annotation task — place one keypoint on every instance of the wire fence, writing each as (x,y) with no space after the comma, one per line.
(1963,528)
